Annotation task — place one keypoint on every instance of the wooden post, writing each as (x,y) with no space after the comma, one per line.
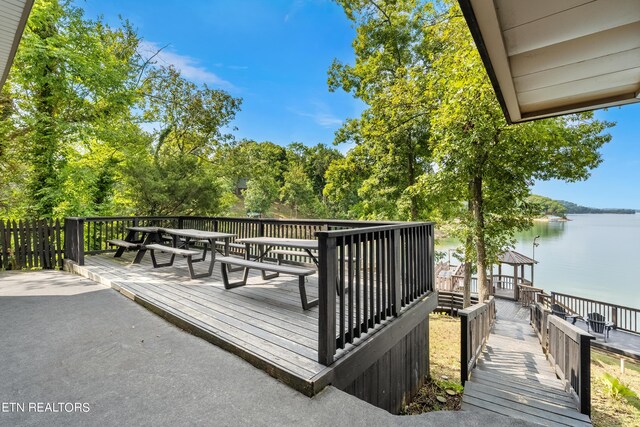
(464,346)
(396,280)
(585,374)
(74,239)
(515,282)
(327,274)
(500,275)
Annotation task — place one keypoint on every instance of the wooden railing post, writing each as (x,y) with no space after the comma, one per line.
(585,374)
(464,346)
(396,271)
(327,274)
(74,239)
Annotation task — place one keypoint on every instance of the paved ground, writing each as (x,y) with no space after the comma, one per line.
(64,339)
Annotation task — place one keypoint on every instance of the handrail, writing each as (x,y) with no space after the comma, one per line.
(367,276)
(624,318)
(569,351)
(475,326)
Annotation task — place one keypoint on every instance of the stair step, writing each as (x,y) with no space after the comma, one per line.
(543,393)
(507,403)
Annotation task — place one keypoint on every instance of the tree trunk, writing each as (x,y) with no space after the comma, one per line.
(478,231)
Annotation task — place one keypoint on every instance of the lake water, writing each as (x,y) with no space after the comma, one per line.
(593,256)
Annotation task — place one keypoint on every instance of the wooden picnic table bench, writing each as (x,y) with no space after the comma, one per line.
(183,239)
(148,235)
(302,273)
(188,253)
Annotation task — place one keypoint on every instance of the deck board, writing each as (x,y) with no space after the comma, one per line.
(263,318)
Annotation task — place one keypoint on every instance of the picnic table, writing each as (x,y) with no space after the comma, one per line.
(148,235)
(267,244)
(182,239)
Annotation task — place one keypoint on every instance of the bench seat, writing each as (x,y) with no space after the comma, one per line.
(188,253)
(280,269)
(124,244)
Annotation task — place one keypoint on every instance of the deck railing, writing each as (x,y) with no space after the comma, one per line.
(97,230)
(366,276)
(569,351)
(623,318)
(452,302)
(475,326)
(30,244)
(539,315)
(528,294)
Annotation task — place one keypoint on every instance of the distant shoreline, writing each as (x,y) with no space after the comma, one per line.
(551,219)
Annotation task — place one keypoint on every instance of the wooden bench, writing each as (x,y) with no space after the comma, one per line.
(282,252)
(234,246)
(188,253)
(124,244)
(256,265)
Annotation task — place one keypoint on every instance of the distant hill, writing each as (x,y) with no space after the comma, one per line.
(546,206)
(572,208)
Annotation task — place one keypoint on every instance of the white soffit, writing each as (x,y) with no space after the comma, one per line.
(13,17)
(551,57)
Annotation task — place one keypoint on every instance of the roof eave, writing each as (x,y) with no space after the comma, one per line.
(16,40)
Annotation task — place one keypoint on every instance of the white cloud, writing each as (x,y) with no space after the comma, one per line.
(323,119)
(189,67)
(321,114)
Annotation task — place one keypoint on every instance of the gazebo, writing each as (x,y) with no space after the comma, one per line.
(516,260)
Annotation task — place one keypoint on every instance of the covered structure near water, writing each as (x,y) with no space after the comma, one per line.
(507,286)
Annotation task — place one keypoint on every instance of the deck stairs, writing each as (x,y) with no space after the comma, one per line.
(514,378)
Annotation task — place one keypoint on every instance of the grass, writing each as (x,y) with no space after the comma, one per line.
(615,397)
(444,380)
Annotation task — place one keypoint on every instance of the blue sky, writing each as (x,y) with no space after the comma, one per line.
(275,55)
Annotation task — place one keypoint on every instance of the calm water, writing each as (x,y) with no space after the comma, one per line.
(594,256)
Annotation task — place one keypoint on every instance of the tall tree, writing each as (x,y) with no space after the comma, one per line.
(297,191)
(484,161)
(72,80)
(177,172)
(389,76)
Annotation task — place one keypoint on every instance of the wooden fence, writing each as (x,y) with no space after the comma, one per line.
(624,318)
(475,326)
(569,351)
(27,244)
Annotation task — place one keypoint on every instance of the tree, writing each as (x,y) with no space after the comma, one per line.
(297,191)
(546,206)
(392,133)
(260,194)
(486,162)
(73,82)
(176,172)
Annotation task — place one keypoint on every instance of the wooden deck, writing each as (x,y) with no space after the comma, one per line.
(514,378)
(620,343)
(263,322)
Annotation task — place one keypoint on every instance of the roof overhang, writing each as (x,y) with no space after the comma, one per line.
(13,18)
(551,57)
